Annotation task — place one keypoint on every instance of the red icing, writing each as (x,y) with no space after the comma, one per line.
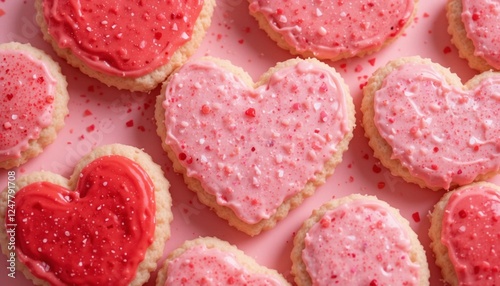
(96,235)
(123,38)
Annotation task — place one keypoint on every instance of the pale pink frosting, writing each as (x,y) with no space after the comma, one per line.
(253,149)
(200,265)
(480,18)
(331,29)
(440,133)
(359,243)
(27,91)
(471,232)
(123,38)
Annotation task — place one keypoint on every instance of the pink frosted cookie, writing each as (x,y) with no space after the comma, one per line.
(127,44)
(252,151)
(358,240)
(211,261)
(333,29)
(427,127)
(106,225)
(473,26)
(33,102)
(465,235)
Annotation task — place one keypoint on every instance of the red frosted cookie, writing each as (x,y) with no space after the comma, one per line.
(106,225)
(127,44)
(33,102)
(252,151)
(211,261)
(427,127)
(358,240)
(474,30)
(465,235)
(333,29)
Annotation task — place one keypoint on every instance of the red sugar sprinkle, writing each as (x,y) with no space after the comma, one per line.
(462,214)
(374,282)
(380,185)
(10,96)
(130,123)
(241,41)
(416,217)
(87,112)
(362,85)
(250,112)
(372,61)
(141,128)
(447,50)
(376,169)
(426,15)
(205,109)
(182,156)
(90,128)
(2,12)
(90,88)
(475,17)
(358,68)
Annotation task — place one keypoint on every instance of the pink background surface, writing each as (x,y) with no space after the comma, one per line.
(101,115)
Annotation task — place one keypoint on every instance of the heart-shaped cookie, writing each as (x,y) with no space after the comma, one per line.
(128,44)
(428,128)
(358,240)
(473,25)
(465,234)
(333,29)
(209,260)
(33,102)
(109,231)
(253,151)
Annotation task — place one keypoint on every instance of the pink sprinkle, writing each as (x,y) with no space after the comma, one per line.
(358,68)
(426,15)
(2,12)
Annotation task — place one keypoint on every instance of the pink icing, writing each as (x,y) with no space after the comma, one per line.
(123,38)
(480,18)
(253,149)
(440,133)
(331,29)
(359,243)
(471,232)
(200,265)
(27,91)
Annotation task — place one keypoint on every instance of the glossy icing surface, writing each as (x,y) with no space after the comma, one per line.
(254,148)
(96,235)
(210,266)
(480,18)
(27,91)
(442,134)
(330,29)
(359,243)
(471,232)
(123,38)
